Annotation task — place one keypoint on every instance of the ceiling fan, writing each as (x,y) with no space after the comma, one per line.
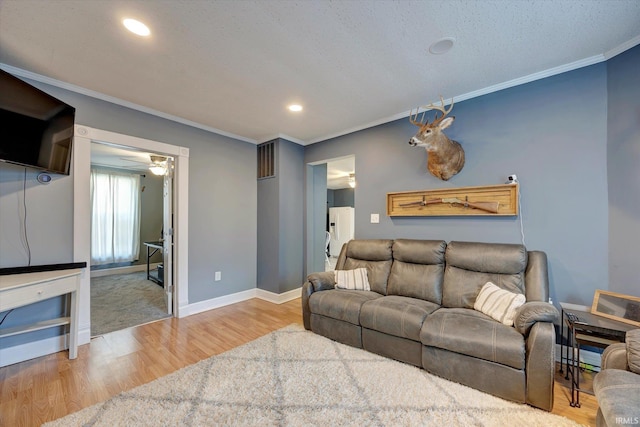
(158,164)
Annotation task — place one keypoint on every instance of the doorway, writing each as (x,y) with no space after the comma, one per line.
(83,138)
(331,186)
(131,279)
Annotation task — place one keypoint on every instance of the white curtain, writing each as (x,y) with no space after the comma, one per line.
(115,217)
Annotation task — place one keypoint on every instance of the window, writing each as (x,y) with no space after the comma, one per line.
(115,217)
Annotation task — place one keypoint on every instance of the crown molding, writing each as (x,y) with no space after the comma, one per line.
(281,136)
(623,47)
(477,93)
(470,95)
(101,96)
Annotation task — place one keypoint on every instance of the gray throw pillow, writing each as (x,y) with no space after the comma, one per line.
(633,350)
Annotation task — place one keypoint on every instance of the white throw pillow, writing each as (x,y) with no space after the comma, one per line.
(498,303)
(353,279)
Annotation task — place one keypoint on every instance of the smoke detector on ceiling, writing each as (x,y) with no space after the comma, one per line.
(441,46)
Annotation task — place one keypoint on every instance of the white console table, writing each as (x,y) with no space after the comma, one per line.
(18,290)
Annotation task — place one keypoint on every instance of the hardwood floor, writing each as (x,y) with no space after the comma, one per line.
(49,387)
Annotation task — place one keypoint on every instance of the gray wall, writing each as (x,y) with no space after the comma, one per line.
(291,216)
(222,203)
(280,221)
(49,220)
(269,229)
(315,217)
(151,214)
(552,133)
(49,217)
(623,155)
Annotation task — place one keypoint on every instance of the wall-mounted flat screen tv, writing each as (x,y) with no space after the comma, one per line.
(36,129)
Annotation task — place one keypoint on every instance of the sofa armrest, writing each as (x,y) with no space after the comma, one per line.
(532,312)
(315,282)
(541,365)
(632,340)
(307,290)
(615,357)
(322,281)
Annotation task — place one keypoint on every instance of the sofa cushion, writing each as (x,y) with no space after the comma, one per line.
(396,315)
(352,279)
(418,269)
(498,304)
(427,252)
(340,304)
(370,249)
(632,339)
(374,255)
(618,394)
(470,265)
(472,333)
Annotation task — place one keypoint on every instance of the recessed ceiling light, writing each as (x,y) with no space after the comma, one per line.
(443,45)
(295,107)
(136,27)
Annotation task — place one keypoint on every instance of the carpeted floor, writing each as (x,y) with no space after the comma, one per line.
(124,300)
(294,377)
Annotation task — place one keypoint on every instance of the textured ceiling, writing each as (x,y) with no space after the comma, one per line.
(233,66)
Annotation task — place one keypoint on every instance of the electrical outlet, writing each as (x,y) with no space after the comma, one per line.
(218,276)
(375,218)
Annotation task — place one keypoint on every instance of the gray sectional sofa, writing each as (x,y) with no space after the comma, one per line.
(419,310)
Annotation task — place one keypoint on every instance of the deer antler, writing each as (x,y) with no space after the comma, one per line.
(436,119)
(412,118)
(444,111)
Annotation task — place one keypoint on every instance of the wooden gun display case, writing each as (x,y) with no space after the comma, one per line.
(488,200)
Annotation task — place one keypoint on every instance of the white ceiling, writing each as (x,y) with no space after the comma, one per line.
(233,66)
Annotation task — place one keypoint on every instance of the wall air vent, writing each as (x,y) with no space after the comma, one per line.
(267,160)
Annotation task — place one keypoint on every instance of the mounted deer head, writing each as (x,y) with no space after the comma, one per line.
(445,157)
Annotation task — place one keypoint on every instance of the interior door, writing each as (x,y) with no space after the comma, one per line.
(167,235)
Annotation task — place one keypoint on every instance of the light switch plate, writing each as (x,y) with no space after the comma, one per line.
(375,218)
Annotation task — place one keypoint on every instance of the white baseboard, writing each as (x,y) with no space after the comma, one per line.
(278,298)
(222,301)
(210,304)
(124,270)
(31,350)
(84,334)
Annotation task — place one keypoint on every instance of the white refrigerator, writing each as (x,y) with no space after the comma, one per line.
(341,228)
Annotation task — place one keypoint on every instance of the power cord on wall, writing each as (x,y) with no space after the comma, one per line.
(5,316)
(521,219)
(24,228)
(24,222)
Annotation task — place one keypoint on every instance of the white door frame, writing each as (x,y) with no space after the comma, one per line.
(167,236)
(84,135)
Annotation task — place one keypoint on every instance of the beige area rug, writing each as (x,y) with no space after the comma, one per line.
(294,377)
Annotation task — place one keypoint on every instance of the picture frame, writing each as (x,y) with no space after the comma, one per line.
(615,306)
